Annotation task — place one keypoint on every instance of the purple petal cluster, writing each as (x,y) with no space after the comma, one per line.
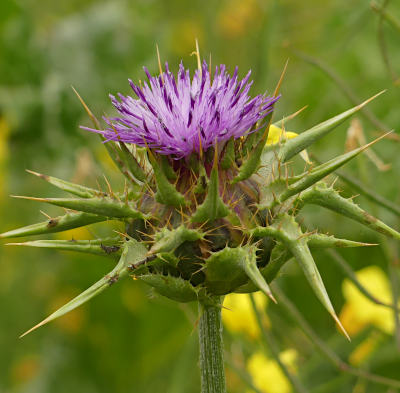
(177,116)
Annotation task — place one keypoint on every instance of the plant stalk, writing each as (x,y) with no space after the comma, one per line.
(211,349)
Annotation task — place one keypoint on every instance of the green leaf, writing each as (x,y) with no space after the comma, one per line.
(249,264)
(131,163)
(213,206)
(167,168)
(293,146)
(72,188)
(228,158)
(115,153)
(175,288)
(303,256)
(282,190)
(329,198)
(202,180)
(167,240)
(319,240)
(223,270)
(56,224)
(109,247)
(286,229)
(102,206)
(166,194)
(252,162)
(133,252)
(279,257)
(230,268)
(251,139)
(369,193)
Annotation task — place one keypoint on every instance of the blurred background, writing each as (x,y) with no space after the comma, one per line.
(127,340)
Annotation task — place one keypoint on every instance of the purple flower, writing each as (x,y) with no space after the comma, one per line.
(177,116)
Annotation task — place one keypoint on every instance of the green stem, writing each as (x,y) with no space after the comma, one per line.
(211,349)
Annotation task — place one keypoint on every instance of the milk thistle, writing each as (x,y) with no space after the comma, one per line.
(209,208)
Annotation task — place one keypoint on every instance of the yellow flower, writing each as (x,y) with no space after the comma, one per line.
(267,375)
(238,315)
(276,134)
(358,311)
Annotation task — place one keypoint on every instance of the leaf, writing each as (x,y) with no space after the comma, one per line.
(72,188)
(293,146)
(56,224)
(329,198)
(286,229)
(250,268)
(226,270)
(131,163)
(279,257)
(322,171)
(282,189)
(303,256)
(175,288)
(166,194)
(228,158)
(167,240)
(109,247)
(115,154)
(213,207)
(369,193)
(319,240)
(251,163)
(133,252)
(105,206)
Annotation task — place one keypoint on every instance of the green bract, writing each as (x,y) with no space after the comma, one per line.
(215,222)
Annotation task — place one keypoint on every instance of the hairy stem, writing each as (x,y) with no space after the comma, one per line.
(211,349)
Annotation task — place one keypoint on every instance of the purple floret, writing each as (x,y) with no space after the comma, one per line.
(175,115)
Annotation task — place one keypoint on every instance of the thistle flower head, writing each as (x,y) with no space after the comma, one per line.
(206,225)
(179,115)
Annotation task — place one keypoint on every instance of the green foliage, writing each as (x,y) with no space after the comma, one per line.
(213,206)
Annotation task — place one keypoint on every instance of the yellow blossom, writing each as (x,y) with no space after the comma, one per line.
(358,311)
(276,134)
(238,315)
(267,375)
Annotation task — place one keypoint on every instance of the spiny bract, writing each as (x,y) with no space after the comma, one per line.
(211,208)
